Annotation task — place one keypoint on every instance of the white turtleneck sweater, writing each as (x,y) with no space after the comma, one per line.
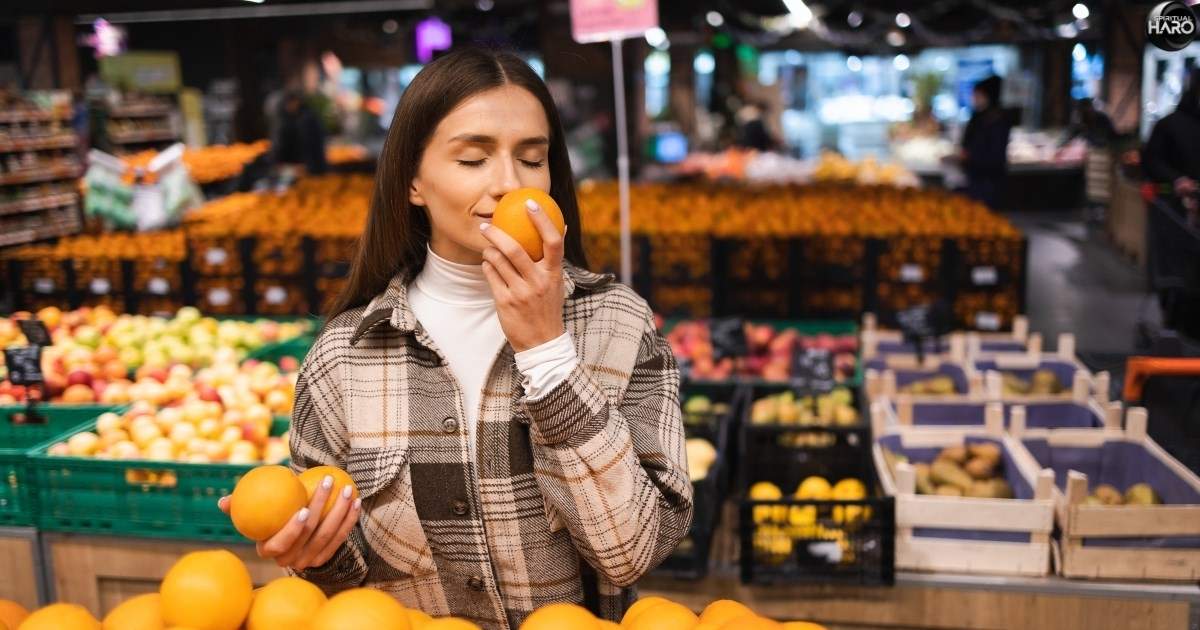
(454,304)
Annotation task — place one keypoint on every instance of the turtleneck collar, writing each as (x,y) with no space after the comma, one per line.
(453,283)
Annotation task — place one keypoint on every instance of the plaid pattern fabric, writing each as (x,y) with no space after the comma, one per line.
(572,497)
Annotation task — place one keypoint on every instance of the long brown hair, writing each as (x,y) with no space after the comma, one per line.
(397,233)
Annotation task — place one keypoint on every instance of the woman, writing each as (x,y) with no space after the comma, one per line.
(513,427)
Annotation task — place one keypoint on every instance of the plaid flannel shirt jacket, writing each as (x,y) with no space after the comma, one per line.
(570,498)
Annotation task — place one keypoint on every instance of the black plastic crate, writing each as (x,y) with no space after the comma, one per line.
(690,559)
(793,540)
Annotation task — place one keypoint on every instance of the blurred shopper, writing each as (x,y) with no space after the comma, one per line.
(1096,129)
(300,137)
(1172,155)
(752,128)
(1092,124)
(984,152)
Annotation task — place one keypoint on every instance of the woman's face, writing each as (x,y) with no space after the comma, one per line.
(493,142)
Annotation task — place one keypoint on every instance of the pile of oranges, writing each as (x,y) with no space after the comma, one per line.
(791,211)
(212,590)
(206,164)
(328,205)
(345,153)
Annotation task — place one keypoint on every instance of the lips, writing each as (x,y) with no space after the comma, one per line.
(484,216)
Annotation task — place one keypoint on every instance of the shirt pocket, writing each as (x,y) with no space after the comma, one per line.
(390,522)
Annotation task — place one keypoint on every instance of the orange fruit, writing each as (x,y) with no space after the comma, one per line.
(12,613)
(143,612)
(604,624)
(264,499)
(312,478)
(286,602)
(450,623)
(559,617)
(752,622)
(511,216)
(802,625)
(665,616)
(207,590)
(641,605)
(60,617)
(722,610)
(360,608)
(417,619)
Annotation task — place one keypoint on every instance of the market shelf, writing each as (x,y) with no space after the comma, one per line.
(33,116)
(62,228)
(144,111)
(37,203)
(41,175)
(57,141)
(143,136)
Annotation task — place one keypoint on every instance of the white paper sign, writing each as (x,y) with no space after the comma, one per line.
(44,285)
(220,296)
(983,276)
(986,320)
(275,295)
(215,256)
(100,286)
(158,286)
(912,273)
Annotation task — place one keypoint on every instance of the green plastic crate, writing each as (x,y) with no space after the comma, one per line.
(18,500)
(297,348)
(150,499)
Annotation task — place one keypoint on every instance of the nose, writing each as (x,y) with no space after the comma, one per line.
(504,178)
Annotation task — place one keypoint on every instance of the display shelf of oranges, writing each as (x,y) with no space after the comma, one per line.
(346,154)
(994,263)
(94,350)
(910,260)
(280,296)
(986,310)
(207,164)
(213,589)
(681,300)
(221,296)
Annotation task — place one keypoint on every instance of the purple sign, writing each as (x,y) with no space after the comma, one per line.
(432,34)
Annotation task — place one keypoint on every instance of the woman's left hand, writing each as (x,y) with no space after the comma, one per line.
(529,295)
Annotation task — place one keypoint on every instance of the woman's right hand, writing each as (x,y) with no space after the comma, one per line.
(309,540)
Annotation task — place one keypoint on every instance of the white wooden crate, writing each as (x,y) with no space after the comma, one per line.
(1034,517)
(903,411)
(1078,521)
(959,343)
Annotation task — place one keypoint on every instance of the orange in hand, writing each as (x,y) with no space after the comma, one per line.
(512,216)
(263,501)
(312,478)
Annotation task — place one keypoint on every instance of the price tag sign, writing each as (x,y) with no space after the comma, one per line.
(986,320)
(220,296)
(158,286)
(812,370)
(35,332)
(921,323)
(728,336)
(275,295)
(43,285)
(100,286)
(215,256)
(24,364)
(912,273)
(984,276)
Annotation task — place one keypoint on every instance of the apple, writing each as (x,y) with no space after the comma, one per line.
(88,336)
(197,458)
(75,394)
(108,438)
(161,449)
(278,402)
(51,316)
(59,449)
(243,452)
(276,451)
(229,435)
(144,434)
(208,393)
(108,421)
(117,393)
(79,377)
(124,450)
(215,451)
(195,445)
(83,444)
(182,433)
(168,418)
(289,364)
(208,428)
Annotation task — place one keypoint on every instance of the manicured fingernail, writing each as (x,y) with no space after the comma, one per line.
(302,515)
(327,482)
(346,492)
(357,503)
(484,226)
(532,205)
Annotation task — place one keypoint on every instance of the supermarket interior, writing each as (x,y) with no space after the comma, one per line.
(811,314)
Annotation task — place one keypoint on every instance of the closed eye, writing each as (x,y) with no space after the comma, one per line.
(473,163)
(533,164)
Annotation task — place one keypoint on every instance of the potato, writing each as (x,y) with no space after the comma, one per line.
(947,472)
(947,490)
(956,454)
(980,467)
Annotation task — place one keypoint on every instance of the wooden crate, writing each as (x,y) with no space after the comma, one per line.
(100,572)
(21,557)
(877,342)
(883,382)
(1080,523)
(934,411)
(997,517)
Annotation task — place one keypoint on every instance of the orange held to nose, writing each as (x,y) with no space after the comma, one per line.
(512,216)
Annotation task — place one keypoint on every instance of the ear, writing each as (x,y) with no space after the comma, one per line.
(414,193)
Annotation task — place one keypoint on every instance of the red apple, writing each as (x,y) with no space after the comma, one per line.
(79,377)
(289,364)
(208,393)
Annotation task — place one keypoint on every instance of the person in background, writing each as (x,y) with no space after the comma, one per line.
(984,153)
(300,136)
(1092,124)
(1171,156)
(752,128)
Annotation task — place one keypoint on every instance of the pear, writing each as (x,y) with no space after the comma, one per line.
(1141,494)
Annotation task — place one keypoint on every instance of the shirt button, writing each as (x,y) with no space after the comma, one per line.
(450,425)
(460,508)
(475,582)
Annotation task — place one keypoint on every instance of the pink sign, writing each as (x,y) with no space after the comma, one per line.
(606,20)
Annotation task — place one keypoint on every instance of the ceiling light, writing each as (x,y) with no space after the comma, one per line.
(714,19)
(854,19)
(854,64)
(902,20)
(801,16)
(1080,11)
(656,37)
(895,38)
(900,62)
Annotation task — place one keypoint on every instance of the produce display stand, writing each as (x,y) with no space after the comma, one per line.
(99,572)
(21,580)
(1159,542)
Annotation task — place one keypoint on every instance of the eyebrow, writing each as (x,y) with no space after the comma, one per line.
(476,138)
